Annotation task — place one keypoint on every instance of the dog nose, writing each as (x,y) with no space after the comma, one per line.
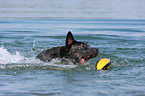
(96,50)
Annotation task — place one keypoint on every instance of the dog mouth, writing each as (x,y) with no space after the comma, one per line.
(86,58)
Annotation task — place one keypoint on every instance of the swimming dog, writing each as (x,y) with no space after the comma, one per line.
(77,52)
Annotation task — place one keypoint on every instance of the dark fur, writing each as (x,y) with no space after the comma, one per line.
(77,52)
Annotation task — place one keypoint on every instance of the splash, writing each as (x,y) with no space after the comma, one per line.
(13,61)
(6,57)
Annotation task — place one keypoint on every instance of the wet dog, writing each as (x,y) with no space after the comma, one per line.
(77,52)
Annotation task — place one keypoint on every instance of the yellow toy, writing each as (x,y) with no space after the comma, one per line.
(103,64)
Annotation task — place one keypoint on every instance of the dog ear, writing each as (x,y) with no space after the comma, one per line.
(69,39)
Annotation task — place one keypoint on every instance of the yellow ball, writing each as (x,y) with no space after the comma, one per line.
(103,64)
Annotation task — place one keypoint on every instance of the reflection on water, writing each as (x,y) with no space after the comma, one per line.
(112,9)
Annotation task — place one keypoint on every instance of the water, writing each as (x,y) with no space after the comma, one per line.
(102,9)
(120,40)
(27,28)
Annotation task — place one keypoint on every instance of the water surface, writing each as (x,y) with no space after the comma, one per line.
(78,9)
(120,40)
(115,27)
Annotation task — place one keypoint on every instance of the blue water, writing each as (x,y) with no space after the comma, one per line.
(122,41)
(116,28)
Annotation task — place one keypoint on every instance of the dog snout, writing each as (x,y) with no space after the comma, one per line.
(95,50)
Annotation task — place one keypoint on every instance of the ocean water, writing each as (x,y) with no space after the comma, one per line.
(116,28)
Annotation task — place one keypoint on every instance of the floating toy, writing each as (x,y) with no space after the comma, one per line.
(103,64)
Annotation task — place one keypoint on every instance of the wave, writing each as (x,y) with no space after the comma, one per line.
(17,61)
(6,57)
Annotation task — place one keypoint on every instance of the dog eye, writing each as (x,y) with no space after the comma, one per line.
(83,45)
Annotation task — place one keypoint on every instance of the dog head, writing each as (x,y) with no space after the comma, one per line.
(79,52)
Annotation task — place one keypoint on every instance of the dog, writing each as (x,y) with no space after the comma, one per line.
(77,52)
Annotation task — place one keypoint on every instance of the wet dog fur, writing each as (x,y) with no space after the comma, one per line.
(77,52)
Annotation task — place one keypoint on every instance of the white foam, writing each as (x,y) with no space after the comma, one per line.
(6,57)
